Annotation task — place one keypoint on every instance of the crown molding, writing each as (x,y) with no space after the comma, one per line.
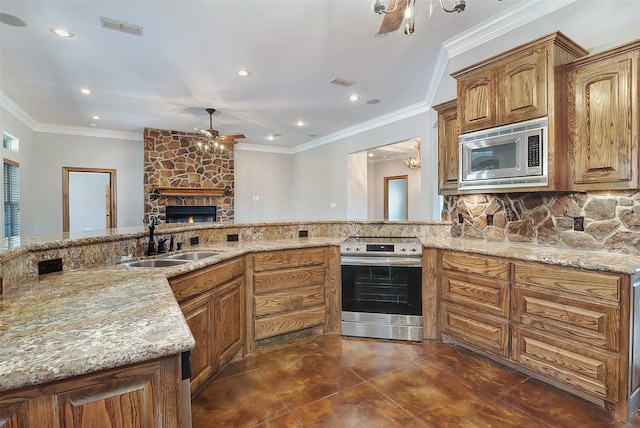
(508,20)
(385,119)
(263,148)
(24,117)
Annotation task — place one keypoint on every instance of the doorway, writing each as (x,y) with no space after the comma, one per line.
(88,199)
(396,198)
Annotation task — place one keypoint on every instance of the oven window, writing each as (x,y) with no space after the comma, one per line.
(382,289)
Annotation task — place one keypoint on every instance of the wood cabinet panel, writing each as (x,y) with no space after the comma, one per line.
(484,331)
(603,120)
(591,323)
(287,258)
(522,87)
(275,325)
(486,295)
(229,315)
(448,147)
(586,283)
(198,312)
(266,282)
(287,300)
(478,100)
(583,367)
(194,283)
(140,395)
(472,263)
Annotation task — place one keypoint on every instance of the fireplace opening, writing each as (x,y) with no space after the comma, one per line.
(191,214)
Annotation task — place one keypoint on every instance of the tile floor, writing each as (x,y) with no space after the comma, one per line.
(331,381)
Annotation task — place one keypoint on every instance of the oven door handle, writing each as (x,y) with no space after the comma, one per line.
(382,261)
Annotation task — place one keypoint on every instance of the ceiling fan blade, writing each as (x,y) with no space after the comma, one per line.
(205,132)
(392,21)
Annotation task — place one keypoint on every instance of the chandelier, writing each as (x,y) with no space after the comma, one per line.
(413,161)
(409,16)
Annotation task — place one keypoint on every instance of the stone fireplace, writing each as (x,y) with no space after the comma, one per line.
(190,213)
(179,173)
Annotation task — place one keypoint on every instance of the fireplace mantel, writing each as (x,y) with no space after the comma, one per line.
(191,191)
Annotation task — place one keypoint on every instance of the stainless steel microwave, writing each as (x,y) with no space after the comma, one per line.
(508,156)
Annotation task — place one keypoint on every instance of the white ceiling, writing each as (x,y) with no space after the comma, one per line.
(190,52)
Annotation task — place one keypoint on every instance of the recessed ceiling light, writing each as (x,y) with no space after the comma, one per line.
(370,155)
(244,73)
(85,91)
(93,124)
(354,97)
(61,32)
(96,117)
(300,123)
(271,137)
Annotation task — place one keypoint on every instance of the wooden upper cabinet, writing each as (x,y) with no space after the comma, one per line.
(603,120)
(517,85)
(522,88)
(448,133)
(477,100)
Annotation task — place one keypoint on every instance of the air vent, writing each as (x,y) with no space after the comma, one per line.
(123,27)
(342,82)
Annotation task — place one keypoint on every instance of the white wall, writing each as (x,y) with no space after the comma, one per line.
(41,158)
(322,172)
(392,168)
(262,186)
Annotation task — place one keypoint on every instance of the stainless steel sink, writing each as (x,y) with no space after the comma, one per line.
(194,255)
(154,263)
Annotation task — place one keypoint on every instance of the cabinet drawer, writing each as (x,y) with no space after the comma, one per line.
(282,301)
(484,294)
(591,284)
(473,263)
(274,325)
(265,282)
(287,259)
(192,284)
(581,366)
(484,331)
(588,322)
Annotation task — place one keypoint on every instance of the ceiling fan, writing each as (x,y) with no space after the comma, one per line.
(215,136)
(400,10)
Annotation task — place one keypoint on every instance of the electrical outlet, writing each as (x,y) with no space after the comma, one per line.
(578,224)
(460,219)
(232,237)
(49,266)
(303,234)
(194,241)
(489,219)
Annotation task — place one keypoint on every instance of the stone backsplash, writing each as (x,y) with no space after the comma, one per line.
(174,159)
(611,220)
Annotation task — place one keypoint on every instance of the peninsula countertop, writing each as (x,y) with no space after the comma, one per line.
(67,324)
(71,323)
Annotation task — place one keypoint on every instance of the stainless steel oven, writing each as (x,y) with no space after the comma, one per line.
(382,288)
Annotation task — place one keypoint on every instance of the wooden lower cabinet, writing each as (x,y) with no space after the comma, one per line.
(570,327)
(585,367)
(289,291)
(199,312)
(213,303)
(140,395)
(484,331)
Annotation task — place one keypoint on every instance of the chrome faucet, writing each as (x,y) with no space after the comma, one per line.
(151,249)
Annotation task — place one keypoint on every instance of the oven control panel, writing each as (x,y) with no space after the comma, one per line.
(381,246)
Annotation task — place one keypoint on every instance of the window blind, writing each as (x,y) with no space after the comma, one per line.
(11,200)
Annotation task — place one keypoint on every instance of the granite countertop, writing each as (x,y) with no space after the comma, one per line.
(67,324)
(602,261)
(71,323)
